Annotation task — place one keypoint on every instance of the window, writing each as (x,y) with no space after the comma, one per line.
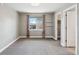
(35,22)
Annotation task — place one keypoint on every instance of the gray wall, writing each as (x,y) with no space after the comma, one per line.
(23,21)
(8,26)
(22,24)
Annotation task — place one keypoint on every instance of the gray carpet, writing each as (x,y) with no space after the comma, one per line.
(36,47)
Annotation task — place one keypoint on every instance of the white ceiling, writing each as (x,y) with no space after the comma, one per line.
(43,7)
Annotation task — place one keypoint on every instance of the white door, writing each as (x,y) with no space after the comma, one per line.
(63,30)
(71,28)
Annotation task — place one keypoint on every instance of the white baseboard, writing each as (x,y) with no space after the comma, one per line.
(1,50)
(22,37)
(63,45)
(37,37)
(50,37)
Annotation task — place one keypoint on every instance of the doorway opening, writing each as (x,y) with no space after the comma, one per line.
(59,29)
(58,26)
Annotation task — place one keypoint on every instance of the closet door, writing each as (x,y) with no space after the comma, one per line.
(71,28)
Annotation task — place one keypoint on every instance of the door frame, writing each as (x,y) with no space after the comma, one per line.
(65,11)
(56,25)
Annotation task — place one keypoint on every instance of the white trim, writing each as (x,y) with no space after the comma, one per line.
(22,37)
(56,26)
(71,7)
(50,37)
(63,45)
(64,11)
(37,37)
(1,50)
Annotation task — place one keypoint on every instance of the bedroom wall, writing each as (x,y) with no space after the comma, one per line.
(8,25)
(23,27)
